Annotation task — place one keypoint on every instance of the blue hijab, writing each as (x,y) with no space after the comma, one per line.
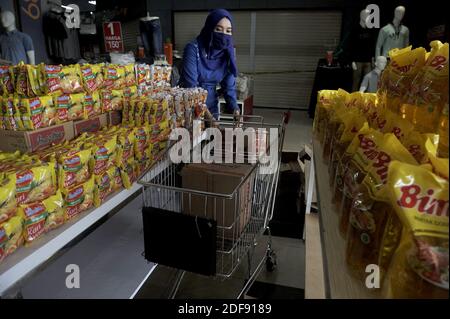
(217,46)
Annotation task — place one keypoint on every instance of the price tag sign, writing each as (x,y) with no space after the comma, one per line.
(112,31)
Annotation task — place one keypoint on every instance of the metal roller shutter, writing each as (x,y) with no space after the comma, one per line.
(287,46)
(130,32)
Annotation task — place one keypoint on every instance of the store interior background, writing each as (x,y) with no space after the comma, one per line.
(287,49)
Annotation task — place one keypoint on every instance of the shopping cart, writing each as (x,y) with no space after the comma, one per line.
(239,216)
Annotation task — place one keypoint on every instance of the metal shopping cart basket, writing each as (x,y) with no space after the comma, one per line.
(197,220)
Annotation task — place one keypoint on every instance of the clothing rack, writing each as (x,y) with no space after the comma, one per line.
(55,3)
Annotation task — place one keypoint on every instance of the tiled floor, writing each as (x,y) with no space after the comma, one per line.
(298,131)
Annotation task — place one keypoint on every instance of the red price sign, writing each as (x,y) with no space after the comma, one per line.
(112,31)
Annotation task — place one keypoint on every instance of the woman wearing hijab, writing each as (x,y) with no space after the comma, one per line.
(209,60)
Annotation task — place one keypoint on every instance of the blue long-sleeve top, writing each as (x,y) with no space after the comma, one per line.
(196,74)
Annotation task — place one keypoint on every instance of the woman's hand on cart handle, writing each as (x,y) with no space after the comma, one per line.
(210,118)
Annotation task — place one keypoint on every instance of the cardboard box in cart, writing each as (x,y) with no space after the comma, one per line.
(30,141)
(222,179)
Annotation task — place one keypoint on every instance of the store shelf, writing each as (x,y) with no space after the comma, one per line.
(26,259)
(338,283)
(109,259)
(314,274)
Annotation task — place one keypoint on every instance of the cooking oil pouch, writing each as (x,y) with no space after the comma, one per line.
(10,236)
(397,125)
(370,212)
(8,202)
(442,150)
(440,165)
(415,144)
(333,120)
(419,268)
(325,100)
(364,148)
(37,214)
(403,67)
(73,168)
(368,103)
(429,90)
(79,199)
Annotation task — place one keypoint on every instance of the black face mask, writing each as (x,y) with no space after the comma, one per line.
(221,40)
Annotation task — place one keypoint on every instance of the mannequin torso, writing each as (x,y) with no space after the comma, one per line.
(15,46)
(393,35)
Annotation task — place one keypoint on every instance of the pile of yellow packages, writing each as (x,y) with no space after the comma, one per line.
(388,166)
(41,191)
(37,96)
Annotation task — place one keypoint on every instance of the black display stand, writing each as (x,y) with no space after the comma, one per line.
(329,78)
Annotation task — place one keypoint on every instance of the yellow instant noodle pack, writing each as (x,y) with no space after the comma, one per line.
(35,181)
(78,199)
(73,168)
(419,268)
(91,105)
(70,107)
(8,202)
(114,77)
(104,185)
(92,75)
(103,152)
(10,236)
(42,216)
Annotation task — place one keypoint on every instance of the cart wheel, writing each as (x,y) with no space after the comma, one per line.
(271,261)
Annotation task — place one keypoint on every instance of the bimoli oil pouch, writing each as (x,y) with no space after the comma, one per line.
(365,153)
(325,100)
(419,268)
(371,211)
